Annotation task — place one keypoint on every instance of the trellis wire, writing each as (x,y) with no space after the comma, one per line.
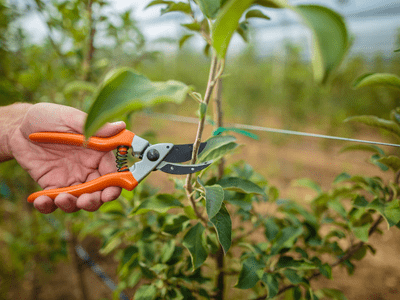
(192,120)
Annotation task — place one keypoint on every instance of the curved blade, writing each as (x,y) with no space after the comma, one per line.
(178,169)
(182,153)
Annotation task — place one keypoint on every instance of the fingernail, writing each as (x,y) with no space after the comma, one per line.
(119,123)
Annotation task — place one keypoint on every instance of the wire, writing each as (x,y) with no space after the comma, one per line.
(191,120)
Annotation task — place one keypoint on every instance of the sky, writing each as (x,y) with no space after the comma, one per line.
(373,23)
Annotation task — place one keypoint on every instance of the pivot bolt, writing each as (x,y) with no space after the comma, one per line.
(153,155)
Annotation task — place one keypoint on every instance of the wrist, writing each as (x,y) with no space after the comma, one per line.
(11,118)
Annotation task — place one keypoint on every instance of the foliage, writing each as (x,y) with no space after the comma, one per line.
(185,245)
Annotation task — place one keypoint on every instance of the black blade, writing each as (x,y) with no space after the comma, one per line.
(182,153)
(182,169)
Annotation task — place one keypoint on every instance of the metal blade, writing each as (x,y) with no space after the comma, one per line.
(178,169)
(182,153)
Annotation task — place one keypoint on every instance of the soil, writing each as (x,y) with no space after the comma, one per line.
(377,277)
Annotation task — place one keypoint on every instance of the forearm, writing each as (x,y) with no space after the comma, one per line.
(11,117)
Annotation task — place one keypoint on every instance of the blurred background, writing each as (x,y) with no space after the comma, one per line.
(46,45)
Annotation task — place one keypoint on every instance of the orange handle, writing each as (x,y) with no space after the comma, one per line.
(124,138)
(124,180)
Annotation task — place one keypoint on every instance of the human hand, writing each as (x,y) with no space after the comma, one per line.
(56,165)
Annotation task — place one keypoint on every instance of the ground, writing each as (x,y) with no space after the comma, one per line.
(376,277)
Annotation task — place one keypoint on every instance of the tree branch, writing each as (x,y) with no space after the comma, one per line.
(200,128)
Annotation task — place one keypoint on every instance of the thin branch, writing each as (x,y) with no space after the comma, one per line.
(196,145)
(40,9)
(87,63)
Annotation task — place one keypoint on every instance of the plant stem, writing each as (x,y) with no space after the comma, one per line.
(40,9)
(200,128)
(87,63)
(218,118)
(77,263)
(220,283)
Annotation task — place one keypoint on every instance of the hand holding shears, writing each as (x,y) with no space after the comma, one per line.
(164,157)
(69,165)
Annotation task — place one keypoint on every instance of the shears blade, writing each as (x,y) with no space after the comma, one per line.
(182,153)
(178,169)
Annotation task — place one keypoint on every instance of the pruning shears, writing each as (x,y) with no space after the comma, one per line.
(164,157)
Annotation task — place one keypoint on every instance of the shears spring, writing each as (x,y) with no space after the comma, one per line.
(122,158)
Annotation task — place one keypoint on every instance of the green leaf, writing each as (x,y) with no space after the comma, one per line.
(237,130)
(192,26)
(296,293)
(219,152)
(360,254)
(243,30)
(77,86)
(146,292)
(226,23)
(286,239)
(184,39)
(113,207)
(361,232)
(377,123)
(392,212)
(360,201)
(202,109)
(193,241)
(271,229)
(167,251)
(333,294)
(363,147)
(272,3)
(223,225)
(240,185)
(391,161)
(215,142)
(375,160)
(330,38)
(214,196)
(292,276)
(397,50)
(160,203)
(177,7)
(157,2)
(217,146)
(305,182)
(271,280)
(289,262)
(248,277)
(342,177)
(209,7)
(129,252)
(377,79)
(255,13)
(241,200)
(125,91)
(326,270)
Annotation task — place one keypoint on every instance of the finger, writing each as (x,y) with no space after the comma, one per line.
(89,202)
(110,193)
(44,204)
(52,117)
(111,129)
(66,202)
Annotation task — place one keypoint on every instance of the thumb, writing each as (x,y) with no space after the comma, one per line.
(111,129)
